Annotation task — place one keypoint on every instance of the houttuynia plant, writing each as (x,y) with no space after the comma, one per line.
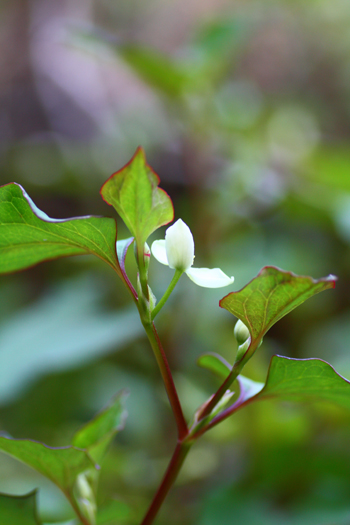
(28,236)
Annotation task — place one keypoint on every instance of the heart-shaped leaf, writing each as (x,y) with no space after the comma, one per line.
(97,434)
(19,510)
(133,192)
(271,295)
(61,465)
(28,236)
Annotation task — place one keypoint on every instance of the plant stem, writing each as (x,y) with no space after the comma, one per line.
(169,478)
(166,295)
(221,391)
(76,509)
(167,378)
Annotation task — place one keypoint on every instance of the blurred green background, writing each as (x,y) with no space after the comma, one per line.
(243,109)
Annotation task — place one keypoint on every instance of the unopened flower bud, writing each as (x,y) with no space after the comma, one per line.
(83,487)
(152,299)
(179,246)
(241,332)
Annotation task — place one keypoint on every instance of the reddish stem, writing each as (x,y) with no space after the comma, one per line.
(168,379)
(169,478)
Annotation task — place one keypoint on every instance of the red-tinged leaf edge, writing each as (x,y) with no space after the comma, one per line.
(254,342)
(139,150)
(44,217)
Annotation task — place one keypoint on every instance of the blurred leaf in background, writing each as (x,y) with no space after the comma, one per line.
(243,111)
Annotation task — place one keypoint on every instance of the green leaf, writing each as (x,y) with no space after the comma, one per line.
(18,510)
(295,380)
(28,236)
(97,434)
(305,380)
(271,295)
(61,465)
(301,380)
(133,192)
(157,69)
(215,364)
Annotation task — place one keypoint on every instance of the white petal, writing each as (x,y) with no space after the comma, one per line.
(209,278)
(159,251)
(179,246)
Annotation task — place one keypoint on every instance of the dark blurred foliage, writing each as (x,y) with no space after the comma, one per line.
(243,108)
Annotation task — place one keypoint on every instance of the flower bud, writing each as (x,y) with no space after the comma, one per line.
(241,332)
(179,246)
(152,299)
(83,488)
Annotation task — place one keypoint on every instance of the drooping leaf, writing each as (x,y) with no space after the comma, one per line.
(19,510)
(271,295)
(61,465)
(133,192)
(28,236)
(97,434)
(215,364)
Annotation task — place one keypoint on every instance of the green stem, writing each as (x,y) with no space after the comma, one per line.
(167,378)
(166,295)
(168,480)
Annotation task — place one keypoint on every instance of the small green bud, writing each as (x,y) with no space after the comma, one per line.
(242,349)
(88,509)
(85,498)
(152,299)
(83,487)
(241,332)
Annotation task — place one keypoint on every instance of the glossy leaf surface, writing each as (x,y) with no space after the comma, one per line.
(60,465)
(28,236)
(18,510)
(271,295)
(133,192)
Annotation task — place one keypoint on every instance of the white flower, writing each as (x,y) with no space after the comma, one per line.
(177,252)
